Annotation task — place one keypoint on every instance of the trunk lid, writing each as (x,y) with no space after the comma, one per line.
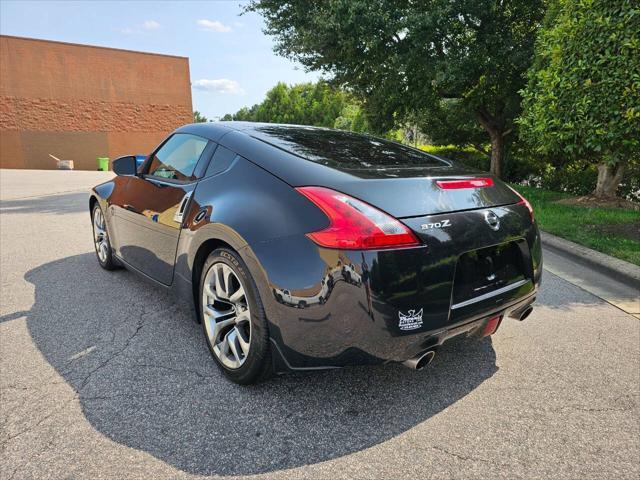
(416,196)
(480,269)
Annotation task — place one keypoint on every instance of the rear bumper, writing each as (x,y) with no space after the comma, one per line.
(331,308)
(393,349)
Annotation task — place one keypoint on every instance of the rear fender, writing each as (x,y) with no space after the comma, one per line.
(241,207)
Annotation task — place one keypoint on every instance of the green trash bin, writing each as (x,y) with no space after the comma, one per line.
(103,164)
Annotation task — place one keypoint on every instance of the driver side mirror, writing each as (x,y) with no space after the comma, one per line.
(125,165)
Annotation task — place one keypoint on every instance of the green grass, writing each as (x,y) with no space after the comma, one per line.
(607,230)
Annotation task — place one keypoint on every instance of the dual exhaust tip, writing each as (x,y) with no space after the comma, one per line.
(525,313)
(420,361)
(425,358)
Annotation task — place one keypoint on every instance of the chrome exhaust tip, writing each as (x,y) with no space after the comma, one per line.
(526,313)
(420,361)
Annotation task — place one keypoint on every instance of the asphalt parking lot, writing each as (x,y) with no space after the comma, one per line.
(103,376)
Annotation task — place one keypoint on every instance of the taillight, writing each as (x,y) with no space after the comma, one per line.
(354,224)
(465,183)
(525,202)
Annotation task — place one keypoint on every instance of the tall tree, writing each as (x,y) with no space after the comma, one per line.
(583,97)
(198,117)
(318,104)
(405,57)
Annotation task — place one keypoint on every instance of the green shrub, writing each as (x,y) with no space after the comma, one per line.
(467,156)
(582,101)
(579,178)
(519,166)
(576,178)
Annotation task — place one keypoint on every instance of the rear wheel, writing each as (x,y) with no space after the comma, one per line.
(233,318)
(101,239)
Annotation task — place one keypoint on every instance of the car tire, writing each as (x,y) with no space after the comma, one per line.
(244,368)
(101,240)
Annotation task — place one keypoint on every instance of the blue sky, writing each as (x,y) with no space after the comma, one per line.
(232,62)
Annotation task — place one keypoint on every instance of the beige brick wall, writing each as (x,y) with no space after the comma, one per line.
(79,102)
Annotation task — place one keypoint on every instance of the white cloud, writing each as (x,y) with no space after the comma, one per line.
(213,25)
(150,25)
(147,25)
(219,85)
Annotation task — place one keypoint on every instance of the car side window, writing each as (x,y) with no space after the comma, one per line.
(221,160)
(178,157)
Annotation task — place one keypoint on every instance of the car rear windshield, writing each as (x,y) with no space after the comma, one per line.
(345,150)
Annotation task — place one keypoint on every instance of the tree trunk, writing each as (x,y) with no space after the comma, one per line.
(494,127)
(497,155)
(609,178)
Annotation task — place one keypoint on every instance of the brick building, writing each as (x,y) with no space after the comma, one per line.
(79,102)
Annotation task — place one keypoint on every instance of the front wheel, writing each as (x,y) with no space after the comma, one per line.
(233,318)
(101,239)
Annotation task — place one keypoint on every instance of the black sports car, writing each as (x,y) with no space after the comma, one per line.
(305,248)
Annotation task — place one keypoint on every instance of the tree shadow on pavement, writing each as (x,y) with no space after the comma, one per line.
(145,379)
(59,203)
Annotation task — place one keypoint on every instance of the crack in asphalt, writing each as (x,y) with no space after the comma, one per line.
(85,381)
(39,386)
(464,457)
(589,409)
(39,422)
(172,369)
(87,378)
(41,451)
(77,394)
(139,326)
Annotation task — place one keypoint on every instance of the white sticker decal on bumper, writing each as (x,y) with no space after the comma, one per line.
(410,320)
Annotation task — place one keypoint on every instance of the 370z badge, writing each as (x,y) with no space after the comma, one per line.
(410,320)
(441,224)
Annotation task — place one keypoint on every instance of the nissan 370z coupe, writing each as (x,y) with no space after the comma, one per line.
(306,248)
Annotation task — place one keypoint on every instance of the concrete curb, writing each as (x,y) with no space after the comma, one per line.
(623,271)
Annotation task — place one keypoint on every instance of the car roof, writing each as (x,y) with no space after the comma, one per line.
(216,130)
(338,149)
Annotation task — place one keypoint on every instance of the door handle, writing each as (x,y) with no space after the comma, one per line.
(126,206)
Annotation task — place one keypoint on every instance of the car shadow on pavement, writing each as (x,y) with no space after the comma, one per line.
(144,378)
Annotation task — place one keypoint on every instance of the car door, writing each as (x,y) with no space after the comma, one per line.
(148,216)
